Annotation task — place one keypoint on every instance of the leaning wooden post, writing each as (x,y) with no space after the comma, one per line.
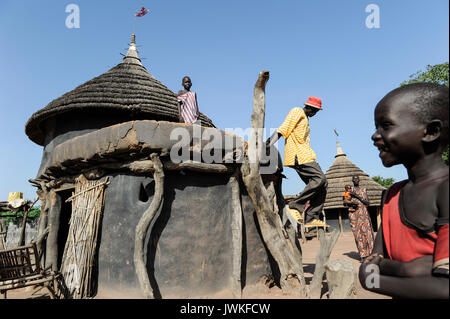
(24,223)
(51,250)
(327,242)
(292,278)
(143,225)
(236,234)
(341,228)
(43,223)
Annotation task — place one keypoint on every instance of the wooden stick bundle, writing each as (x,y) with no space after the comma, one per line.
(79,252)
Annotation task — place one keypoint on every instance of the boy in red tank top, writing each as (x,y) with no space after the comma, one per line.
(410,254)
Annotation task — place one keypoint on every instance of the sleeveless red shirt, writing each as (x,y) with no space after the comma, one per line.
(404,243)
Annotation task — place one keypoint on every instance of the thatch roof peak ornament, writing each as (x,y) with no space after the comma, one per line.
(339,151)
(132,55)
(127,91)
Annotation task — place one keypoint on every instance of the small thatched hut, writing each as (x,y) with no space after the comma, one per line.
(126,220)
(338,175)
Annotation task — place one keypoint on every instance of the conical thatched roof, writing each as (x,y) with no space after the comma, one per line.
(340,173)
(127,87)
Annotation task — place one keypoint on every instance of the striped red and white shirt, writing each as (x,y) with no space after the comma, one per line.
(189,107)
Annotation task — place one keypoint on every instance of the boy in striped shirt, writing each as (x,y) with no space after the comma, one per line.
(187,103)
(299,156)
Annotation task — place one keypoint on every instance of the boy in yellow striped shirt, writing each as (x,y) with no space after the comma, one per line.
(299,156)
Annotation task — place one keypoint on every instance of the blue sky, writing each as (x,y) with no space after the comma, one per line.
(321,48)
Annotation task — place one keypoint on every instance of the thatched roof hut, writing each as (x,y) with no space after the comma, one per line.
(126,216)
(340,173)
(127,89)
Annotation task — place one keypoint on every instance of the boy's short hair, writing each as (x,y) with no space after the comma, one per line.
(348,185)
(430,103)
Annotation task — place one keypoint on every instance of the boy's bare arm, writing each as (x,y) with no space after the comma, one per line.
(422,287)
(415,268)
(180,118)
(403,280)
(273,138)
(440,265)
(443,202)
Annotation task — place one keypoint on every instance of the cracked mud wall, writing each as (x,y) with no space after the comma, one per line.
(189,249)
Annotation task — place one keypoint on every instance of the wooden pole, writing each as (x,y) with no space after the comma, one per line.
(43,224)
(292,279)
(143,225)
(52,239)
(341,228)
(327,242)
(2,234)
(236,235)
(24,223)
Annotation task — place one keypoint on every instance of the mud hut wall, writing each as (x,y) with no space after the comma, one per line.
(190,244)
(189,249)
(14,228)
(333,218)
(257,261)
(69,125)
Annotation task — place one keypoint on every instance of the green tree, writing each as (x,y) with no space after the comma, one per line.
(16,217)
(435,74)
(385,182)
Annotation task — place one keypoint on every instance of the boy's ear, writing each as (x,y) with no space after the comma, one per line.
(432,131)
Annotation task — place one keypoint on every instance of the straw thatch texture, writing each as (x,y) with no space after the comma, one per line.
(340,173)
(126,87)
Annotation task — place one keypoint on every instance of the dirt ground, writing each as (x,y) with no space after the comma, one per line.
(345,248)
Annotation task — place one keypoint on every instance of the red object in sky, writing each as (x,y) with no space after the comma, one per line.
(336,133)
(141,13)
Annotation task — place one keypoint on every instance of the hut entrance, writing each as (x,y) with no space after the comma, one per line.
(79,256)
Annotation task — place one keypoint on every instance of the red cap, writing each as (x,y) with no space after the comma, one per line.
(314,102)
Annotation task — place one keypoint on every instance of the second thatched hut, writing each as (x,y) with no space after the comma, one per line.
(338,175)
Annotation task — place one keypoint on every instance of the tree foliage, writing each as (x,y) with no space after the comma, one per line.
(385,182)
(434,74)
(17,217)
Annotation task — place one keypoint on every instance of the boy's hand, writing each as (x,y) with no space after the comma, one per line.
(375,259)
(421,266)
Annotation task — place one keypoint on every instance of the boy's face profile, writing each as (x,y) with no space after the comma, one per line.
(398,134)
(310,111)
